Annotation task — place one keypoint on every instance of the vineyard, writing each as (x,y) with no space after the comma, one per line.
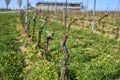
(91,55)
(39,45)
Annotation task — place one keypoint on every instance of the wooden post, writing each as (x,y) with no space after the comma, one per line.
(55,14)
(93,22)
(87,9)
(29,27)
(65,17)
(22,18)
(65,56)
(26,19)
(48,13)
(118,22)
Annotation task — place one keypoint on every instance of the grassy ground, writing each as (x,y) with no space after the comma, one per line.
(11,59)
(92,56)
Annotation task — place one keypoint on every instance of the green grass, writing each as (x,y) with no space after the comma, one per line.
(11,60)
(92,56)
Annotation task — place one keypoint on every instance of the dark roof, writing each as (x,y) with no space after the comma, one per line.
(58,3)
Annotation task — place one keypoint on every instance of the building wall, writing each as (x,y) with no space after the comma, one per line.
(51,8)
(44,7)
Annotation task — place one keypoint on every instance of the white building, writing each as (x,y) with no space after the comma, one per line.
(52,6)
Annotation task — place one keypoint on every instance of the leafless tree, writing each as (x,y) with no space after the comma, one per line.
(19,4)
(7,2)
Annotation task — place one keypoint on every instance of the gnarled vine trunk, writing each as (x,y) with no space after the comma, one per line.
(65,56)
(48,37)
(33,30)
(40,32)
